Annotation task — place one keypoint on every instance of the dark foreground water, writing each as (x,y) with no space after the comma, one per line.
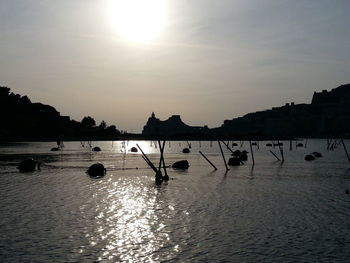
(297,211)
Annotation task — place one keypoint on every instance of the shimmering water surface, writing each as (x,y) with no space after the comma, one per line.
(297,211)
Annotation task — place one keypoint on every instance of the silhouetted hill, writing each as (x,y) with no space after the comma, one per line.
(327,115)
(22,119)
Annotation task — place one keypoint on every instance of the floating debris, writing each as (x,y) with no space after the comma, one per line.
(181,165)
(96,149)
(244,156)
(55,149)
(236,153)
(300,145)
(186,150)
(317,154)
(309,157)
(269,144)
(28,165)
(134,150)
(234,161)
(96,170)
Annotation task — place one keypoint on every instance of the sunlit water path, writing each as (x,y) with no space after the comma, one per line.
(297,211)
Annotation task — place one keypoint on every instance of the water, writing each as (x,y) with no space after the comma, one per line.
(297,211)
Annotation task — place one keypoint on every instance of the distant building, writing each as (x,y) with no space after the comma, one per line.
(171,127)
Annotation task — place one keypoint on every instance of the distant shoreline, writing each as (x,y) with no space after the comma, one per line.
(140,137)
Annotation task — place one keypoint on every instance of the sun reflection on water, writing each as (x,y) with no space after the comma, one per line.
(129,223)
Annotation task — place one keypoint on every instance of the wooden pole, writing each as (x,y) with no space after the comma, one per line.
(342,141)
(166,177)
(275,155)
(279,145)
(227,146)
(208,160)
(223,157)
(160,159)
(147,159)
(251,150)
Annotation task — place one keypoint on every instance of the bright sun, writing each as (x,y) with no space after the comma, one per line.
(138,20)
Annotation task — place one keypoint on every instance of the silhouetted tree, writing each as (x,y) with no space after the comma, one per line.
(103,125)
(112,130)
(24,101)
(88,122)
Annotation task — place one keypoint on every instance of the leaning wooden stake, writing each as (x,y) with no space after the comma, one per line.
(223,157)
(251,150)
(342,141)
(148,161)
(208,160)
(279,145)
(162,161)
(275,155)
(227,146)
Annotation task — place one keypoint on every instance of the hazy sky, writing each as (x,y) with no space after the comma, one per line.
(211,59)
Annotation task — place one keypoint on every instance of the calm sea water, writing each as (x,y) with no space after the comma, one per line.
(295,211)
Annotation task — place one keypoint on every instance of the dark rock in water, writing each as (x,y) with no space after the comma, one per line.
(181,165)
(234,161)
(300,145)
(28,165)
(243,156)
(254,143)
(55,149)
(317,154)
(96,149)
(269,144)
(186,150)
(278,144)
(96,170)
(236,153)
(134,150)
(309,157)
(234,144)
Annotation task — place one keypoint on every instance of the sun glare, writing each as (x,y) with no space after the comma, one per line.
(138,20)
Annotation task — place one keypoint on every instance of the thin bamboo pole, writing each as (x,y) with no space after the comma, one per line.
(208,160)
(275,155)
(223,157)
(347,154)
(251,150)
(281,151)
(227,146)
(147,159)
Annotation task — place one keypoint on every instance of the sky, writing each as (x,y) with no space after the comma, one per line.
(206,60)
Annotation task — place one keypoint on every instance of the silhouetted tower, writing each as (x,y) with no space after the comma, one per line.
(153,115)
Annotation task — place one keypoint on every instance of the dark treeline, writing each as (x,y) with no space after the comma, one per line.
(20,119)
(328,115)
